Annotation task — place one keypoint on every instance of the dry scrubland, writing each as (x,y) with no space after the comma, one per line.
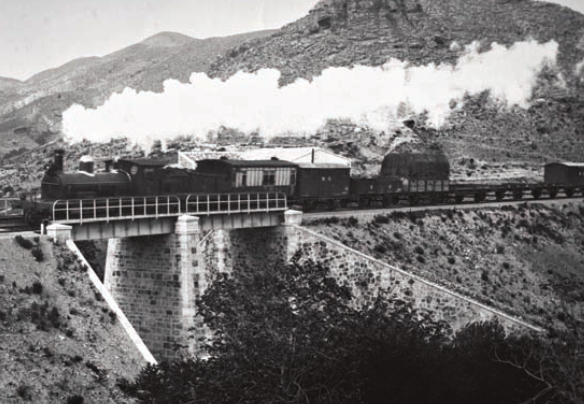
(59,342)
(525,260)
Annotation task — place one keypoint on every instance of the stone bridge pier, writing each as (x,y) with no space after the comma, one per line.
(156,280)
(153,279)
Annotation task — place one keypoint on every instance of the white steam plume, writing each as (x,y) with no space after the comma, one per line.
(377,97)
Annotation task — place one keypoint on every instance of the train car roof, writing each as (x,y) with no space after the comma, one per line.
(246,163)
(566,163)
(323,165)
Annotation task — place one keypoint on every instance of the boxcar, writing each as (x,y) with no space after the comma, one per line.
(565,173)
(323,181)
(416,166)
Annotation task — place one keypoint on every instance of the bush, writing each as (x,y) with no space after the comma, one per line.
(381,219)
(37,288)
(38,254)
(23,242)
(380,249)
(41,315)
(352,221)
(75,400)
(291,335)
(25,392)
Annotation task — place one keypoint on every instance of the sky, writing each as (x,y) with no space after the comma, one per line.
(36,35)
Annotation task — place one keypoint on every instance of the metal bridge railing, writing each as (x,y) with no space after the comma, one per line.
(130,208)
(106,209)
(214,204)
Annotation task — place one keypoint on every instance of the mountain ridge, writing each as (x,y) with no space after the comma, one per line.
(33,108)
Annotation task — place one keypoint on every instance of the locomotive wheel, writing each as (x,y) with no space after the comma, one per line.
(499,195)
(479,197)
(330,204)
(364,202)
(414,199)
(553,193)
(517,194)
(536,193)
(344,203)
(32,219)
(386,201)
(459,198)
(395,200)
(308,205)
(569,192)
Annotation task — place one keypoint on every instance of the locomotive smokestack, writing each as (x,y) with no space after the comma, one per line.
(58,162)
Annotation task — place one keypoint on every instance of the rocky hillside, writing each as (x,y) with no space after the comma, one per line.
(31,110)
(369,32)
(525,260)
(59,342)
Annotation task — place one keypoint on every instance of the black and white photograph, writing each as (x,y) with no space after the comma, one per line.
(292,202)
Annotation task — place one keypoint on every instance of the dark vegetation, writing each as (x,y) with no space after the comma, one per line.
(290,335)
(34,248)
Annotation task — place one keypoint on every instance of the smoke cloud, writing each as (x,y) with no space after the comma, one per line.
(376,97)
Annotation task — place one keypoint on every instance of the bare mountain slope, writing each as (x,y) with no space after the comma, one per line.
(370,32)
(33,108)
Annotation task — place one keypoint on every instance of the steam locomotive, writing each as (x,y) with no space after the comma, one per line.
(413,178)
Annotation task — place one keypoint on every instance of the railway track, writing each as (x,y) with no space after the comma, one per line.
(372,211)
(13,223)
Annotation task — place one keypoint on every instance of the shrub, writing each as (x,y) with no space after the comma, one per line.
(352,221)
(485,276)
(23,242)
(419,250)
(381,219)
(38,254)
(37,288)
(421,259)
(25,392)
(75,400)
(380,248)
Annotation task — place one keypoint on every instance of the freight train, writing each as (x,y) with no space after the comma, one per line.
(407,177)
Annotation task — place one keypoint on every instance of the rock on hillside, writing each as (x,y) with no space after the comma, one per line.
(344,33)
(32,109)
(59,342)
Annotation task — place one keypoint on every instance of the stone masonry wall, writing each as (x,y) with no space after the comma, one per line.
(247,249)
(153,280)
(368,278)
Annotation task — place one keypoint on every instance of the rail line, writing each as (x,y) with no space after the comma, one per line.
(13,223)
(430,207)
